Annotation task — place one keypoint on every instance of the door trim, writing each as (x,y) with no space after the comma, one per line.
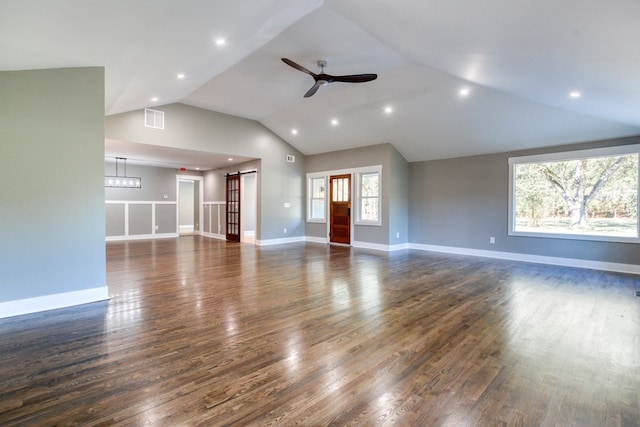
(243,212)
(192,178)
(230,178)
(350,175)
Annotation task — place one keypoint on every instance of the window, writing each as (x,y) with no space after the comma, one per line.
(367,191)
(368,198)
(316,209)
(588,194)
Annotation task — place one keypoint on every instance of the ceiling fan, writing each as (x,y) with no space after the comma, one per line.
(323,79)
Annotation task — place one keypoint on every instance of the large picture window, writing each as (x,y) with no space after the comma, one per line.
(588,194)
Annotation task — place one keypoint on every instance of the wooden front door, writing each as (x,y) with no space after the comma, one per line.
(233,207)
(340,209)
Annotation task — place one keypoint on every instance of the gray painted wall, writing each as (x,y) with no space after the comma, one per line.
(462,202)
(186,203)
(52,185)
(198,129)
(140,219)
(196,205)
(249,202)
(166,219)
(215,188)
(398,194)
(156,183)
(394,190)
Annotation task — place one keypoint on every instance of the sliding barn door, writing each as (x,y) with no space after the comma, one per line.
(233,207)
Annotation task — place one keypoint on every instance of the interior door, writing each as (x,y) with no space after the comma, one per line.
(340,209)
(233,207)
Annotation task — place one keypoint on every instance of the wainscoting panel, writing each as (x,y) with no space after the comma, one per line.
(132,220)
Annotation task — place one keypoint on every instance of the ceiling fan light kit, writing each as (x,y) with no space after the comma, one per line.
(323,79)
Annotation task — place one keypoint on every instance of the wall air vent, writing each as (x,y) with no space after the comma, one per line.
(153,118)
(291,159)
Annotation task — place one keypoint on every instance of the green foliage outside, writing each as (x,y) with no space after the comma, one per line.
(588,196)
(370,197)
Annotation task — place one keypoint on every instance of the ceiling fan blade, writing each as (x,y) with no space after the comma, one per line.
(297,66)
(313,90)
(354,78)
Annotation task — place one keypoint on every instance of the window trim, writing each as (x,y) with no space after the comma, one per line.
(358,214)
(354,172)
(570,155)
(310,199)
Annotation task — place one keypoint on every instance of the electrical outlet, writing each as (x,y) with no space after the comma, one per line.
(156,228)
(492,240)
(285,231)
(397,235)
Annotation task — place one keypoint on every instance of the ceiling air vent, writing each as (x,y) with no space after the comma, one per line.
(291,159)
(153,118)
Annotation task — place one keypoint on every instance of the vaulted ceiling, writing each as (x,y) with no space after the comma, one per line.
(519,61)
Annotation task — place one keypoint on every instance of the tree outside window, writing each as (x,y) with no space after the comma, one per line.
(369,197)
(586,196)
(317,199)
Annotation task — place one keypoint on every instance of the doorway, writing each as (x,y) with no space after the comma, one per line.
(242,206)
(233,207)
(249,211)
(189,195)
(340,209)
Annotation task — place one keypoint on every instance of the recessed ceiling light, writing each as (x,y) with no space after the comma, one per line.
(220,42)
(197,169)
(154,99)
(294,131)
(388,109)
(465,91)
(334,122)
(575,94)
(180,75)
(230,159)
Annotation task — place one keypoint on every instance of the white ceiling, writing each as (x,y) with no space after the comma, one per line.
(519,58)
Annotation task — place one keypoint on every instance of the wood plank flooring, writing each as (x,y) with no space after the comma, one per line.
(204,332)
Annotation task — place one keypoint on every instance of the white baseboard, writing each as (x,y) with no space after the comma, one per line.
(214,236)
(271,242)
(539,259)
(51,302)
(510,256)
(312,239)
(142,237)
(380,247)
(398,247)
(367,245)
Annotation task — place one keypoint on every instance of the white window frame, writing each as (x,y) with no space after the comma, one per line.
(561,156)
(310,199)
(355,188)
(358,196)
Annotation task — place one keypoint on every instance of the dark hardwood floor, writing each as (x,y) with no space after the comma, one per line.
(204,332)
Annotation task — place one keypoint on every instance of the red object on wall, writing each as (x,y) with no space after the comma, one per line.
(183,169)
